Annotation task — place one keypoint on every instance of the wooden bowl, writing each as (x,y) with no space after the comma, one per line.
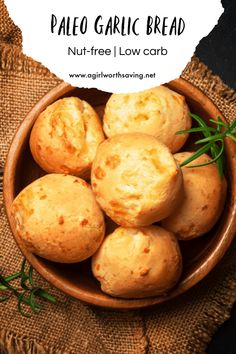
(199,256)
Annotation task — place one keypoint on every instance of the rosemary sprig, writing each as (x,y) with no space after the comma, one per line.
(27,293)
(213,140)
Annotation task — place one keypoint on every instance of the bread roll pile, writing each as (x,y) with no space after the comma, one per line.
(133,182)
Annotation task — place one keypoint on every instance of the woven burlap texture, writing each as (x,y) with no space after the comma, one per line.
(184,325)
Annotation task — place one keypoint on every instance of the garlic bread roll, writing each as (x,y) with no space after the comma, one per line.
(58,218)
(204,197)
(65,137)
(136,180)
(138,262)
(158,111)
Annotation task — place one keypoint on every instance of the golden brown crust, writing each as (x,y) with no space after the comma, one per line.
(204,196)
(158,111)
(65,137)
(138,262)
(58,218)
(136,180)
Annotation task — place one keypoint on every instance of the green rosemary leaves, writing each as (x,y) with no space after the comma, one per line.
(212,142)
(26,291)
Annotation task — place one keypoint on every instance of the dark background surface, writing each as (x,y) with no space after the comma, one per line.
(218,52)
(218,49)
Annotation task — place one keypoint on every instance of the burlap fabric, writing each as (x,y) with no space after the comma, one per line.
(184,325)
